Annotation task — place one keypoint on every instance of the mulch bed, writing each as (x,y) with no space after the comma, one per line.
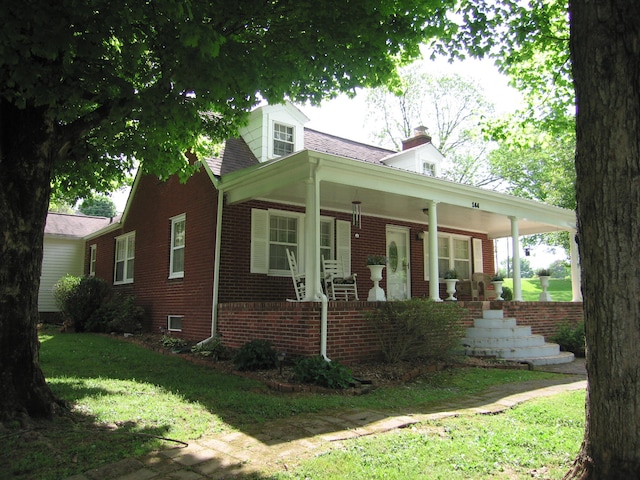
(368,376)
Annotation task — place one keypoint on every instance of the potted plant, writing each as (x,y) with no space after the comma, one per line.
(451,278)
(497,281)
(376,264)
(543,275)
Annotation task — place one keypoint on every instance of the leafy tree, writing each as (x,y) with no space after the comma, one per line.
(525,268)
(98,205)
(560,269)
(450,106)
(87,89)
(531,42)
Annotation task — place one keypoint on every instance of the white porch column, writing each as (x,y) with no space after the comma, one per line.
(576,278)
(434,278)
(311,239)
(517,281)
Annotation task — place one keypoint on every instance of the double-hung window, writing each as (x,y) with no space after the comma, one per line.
(283,235)
(454,253)
(92,260)
(283,139)
(125,254)
(176,254)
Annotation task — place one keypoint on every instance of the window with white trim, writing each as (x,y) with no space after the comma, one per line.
(429,168)
(283,139)
(454,253)
(125,254)
(176,254)
(92,259)
(283,235)
(326,238)
(275,231)
(174,323)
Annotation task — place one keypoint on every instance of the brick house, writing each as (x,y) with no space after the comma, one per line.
(209,256)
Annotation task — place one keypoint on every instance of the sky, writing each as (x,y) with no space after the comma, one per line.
(347,117)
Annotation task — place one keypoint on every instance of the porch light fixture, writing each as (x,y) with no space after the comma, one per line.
(425,211)
(356,213)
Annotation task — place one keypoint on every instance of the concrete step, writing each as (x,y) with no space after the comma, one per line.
(488,314)
(494,322)
(503,342)
(562,357)
(505,332)
(515,353)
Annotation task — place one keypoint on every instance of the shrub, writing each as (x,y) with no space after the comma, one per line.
(255,355)
(62,290)
(212,348)
(417,328)
(570,338)
(118,314)
(317,371)
(173,343)
(80,300)
(507,293)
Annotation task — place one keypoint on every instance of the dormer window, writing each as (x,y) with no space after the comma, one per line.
(429,168)
(283,140)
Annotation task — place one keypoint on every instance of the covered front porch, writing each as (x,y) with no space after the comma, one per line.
(400,203)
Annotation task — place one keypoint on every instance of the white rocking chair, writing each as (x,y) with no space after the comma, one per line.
(336,283)
(298,278)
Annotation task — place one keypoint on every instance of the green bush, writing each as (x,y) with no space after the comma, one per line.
(173,343)
(118,314)
(62,290)
(79,299)
(571,338)
(417,328)
(255,355)
(317,371)
(212,348)
(507,293)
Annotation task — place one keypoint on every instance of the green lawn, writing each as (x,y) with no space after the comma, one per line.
(560,289)
(124,396)
(538,439)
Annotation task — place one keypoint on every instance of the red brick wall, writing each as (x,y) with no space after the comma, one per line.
(295,327)
(149,214)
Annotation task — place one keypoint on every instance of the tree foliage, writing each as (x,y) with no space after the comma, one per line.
(98,205)
(452,107)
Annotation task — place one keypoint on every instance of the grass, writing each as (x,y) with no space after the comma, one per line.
(559,288)
(125,396)
(538,439)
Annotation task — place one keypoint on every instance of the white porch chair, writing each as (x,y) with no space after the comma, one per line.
(336,283)
(297,277)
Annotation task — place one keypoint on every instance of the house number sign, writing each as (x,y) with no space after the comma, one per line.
(475,204)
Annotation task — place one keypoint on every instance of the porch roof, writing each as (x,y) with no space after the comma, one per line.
(391,193)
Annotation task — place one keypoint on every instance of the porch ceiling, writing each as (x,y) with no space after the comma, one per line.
(395,194)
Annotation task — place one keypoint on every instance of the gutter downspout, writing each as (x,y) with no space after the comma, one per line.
(216,268)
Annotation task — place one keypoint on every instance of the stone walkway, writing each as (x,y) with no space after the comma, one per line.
(273,444)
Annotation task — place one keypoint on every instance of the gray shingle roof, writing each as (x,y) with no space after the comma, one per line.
(65,225)
(236,154)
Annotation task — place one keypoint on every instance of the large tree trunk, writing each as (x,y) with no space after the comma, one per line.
(25,173)
(605,48)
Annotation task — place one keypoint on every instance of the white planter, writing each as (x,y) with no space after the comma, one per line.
(376,294)
(544,283)
(451,288)
(497,286)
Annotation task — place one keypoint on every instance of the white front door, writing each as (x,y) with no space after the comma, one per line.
(398,264)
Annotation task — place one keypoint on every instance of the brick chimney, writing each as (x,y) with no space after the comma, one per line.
(420,137)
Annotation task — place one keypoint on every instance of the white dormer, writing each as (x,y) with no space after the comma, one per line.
(418,155)
(274,131)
